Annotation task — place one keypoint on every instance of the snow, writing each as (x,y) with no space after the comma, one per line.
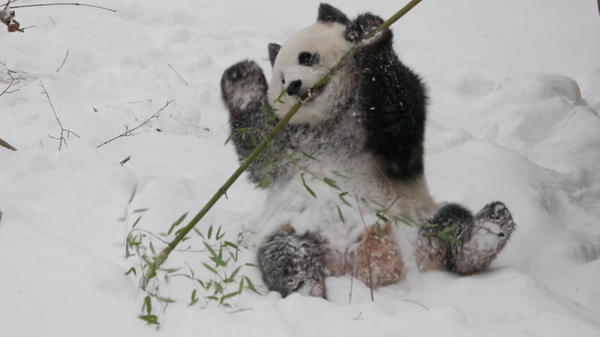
(515,93)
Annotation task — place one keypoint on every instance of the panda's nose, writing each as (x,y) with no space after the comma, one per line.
(294,88)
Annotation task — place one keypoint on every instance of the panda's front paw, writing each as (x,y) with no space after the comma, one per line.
(363,26)
(242,84)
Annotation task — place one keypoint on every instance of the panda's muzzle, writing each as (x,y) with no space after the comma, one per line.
(294,88)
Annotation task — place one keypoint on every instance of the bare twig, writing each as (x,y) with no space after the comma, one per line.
(13,82)
(368,248)
(131,132)
(352,281)
(125,160)
(66,4)
(63,62)
(417,303)
(184,81)
(6,145)
(8,3)
(63,131)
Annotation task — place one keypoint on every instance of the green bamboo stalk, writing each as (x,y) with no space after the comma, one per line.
(164,255)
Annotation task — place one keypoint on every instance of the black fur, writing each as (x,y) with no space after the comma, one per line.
(330,14)
(309,60)
(274,49)
(291,262)
(394,102)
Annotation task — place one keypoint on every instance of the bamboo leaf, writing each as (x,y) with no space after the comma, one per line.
(306,186)
(218,233)
(218,261)
(213,270)
(228,296)
(264,182)
(234,274)
(133,194)
(250,285)
(210,250)
(150,319)
(132,270)
(137,221)
(232,245)
(147,305)
(194,300)
(177,223)
(341,215)
(310,156)
(332,183)
(199,233)
(279,98)
(342,195)
(337,173)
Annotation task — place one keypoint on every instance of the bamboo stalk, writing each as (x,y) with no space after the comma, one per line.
(182,233)
(64,4)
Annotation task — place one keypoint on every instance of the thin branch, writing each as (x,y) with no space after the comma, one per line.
(63,62)
(130,132)
(184,81)
(164,255)
(150,233)
(352,281)
(6,145)
(63,131)
(8,3)
(65,4)
(417,303)
(368,248)
(125,160)
(13,82)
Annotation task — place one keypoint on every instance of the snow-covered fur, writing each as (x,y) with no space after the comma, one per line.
(345,179)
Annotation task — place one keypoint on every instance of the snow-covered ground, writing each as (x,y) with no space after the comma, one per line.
(515,88)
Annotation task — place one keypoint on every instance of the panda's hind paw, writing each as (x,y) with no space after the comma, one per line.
(293,263)
(497,213)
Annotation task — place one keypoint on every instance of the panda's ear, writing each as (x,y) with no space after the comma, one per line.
(328,14)
(273,52)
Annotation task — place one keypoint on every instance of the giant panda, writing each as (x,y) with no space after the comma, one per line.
(345,178)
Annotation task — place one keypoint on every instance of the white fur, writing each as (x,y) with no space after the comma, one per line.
(328,41)
(292,204)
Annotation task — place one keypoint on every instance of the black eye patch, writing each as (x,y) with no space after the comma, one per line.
(308,60)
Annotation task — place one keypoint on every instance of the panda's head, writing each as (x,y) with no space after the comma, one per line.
(301,62)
